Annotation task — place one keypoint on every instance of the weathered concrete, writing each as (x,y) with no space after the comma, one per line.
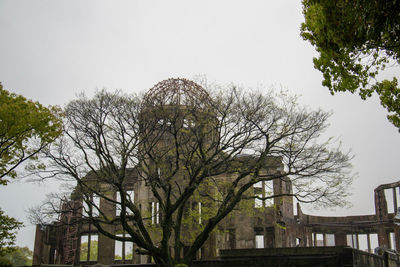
(241,230)
(294,257)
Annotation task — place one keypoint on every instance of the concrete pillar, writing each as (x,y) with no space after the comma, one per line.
(315,239)
(309,238)
(357,242)
(397,237)
(380,204)
(340,239)
(369,244)
(383,238)
(38,248)
(106,246)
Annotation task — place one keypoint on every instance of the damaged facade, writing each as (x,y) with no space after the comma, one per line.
(276,224)
(269,228)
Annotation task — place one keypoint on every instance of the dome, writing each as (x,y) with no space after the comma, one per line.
(176,91)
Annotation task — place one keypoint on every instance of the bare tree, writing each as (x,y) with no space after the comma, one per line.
(180,140)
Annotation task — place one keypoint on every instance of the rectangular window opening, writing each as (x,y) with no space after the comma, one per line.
(155,213)
(269,191)
(130,194)
(319,240)
(389,200)
(352,241)
(118,249)
(330,240)
(363,242)
(199,212)
(89,246)
(93,202)
(84,248)
(96,206)
(123,249)
(373,239)
(85,211)
(263,190)
(128,250)
(392,241)
(295,201)
(118,204)
(259,241)
(94,241)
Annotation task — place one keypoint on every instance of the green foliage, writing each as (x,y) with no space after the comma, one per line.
(19,256)
(8,226)
(355,41)
(26,127)
(4,262)
(93,250)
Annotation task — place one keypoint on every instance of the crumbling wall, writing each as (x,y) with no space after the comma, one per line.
(278,226)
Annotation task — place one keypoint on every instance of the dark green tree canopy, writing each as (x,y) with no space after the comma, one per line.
(19,256)
(356,40)
(26,127)
(8,226)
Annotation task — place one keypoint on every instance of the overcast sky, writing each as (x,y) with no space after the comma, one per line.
(52,50)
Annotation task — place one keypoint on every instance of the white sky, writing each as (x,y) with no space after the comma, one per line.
(52,50)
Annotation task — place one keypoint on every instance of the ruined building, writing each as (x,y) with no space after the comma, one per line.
(280,225)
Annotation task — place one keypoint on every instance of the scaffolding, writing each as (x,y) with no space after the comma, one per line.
(70,218)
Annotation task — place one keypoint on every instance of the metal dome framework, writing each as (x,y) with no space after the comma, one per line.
(177,91)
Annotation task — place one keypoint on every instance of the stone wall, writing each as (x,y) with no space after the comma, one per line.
(295,257)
